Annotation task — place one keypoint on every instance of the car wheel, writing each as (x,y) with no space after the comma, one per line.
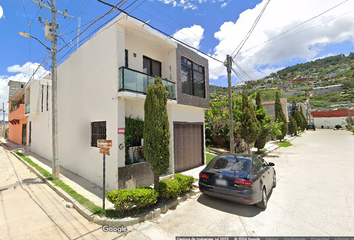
(263,203)
(274,181)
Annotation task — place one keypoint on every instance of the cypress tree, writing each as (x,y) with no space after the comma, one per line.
(264,122)
(156,130)
(250,128)
(280,117)
(292,125)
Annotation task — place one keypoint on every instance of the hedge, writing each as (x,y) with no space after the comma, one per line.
(169,188)
(125,200)
(185,182)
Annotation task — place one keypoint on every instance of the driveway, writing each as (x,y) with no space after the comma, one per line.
(314,197)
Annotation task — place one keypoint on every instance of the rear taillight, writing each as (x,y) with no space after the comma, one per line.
(243,182)
(201,175)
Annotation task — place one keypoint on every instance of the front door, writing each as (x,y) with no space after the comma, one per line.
(24,131)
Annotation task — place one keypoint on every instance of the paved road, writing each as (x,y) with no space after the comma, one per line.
(29,209)
(314,197)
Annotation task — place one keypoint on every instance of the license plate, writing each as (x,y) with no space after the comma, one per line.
(221,182)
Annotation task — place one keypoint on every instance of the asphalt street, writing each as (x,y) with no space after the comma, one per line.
(29,209)
(314,197)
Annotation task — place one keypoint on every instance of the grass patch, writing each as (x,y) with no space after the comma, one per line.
(207,149)
(45,173)
(209,157)
(81,199)
(284,144)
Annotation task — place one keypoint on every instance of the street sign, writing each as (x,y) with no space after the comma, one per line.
(104,143)
(121,130)
(104,150)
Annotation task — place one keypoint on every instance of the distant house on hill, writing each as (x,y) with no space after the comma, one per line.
(328,119)
(327,89)
(269,106)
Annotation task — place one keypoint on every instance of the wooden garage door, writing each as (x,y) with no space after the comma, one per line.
(188,146)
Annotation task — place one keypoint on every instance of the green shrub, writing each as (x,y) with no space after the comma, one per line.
(353,129)
(125,200)
(169,189)
(185,182)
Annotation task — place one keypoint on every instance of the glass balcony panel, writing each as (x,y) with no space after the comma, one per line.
(134,81)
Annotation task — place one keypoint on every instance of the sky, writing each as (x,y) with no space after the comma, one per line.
(287,33)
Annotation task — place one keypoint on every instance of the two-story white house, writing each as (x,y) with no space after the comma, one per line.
(106,79)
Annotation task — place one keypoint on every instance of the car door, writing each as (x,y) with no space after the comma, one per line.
(258,173)
(268,174)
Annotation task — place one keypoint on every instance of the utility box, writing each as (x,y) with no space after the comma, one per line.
(48,31)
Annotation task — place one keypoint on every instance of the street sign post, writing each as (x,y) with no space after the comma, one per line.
(104,146)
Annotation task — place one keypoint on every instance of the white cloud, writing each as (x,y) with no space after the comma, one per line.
(21,74)
(192,36)
(223,5)
(1,12)
(303,42)
(185,4)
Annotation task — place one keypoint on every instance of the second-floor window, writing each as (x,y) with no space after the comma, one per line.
(42,98)
(47,96)
(193,78)
(151,67)
(126,58)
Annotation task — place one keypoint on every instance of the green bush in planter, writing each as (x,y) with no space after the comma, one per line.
(169,188)
(125,200)
(185,182)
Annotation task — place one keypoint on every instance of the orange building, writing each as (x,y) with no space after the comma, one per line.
(17,119)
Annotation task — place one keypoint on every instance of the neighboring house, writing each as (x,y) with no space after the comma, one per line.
(17,119)
(38,110)
(328,119)
(327,89)
(106,79)
(269,106)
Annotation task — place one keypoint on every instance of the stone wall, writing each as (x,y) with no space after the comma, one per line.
(140,172)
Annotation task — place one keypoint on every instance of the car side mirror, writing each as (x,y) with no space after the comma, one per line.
(271,164)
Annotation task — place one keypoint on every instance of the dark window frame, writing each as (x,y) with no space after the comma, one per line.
(47,97)
(193,69)
(150,71)
(98,131)
(42,98)
(126,58)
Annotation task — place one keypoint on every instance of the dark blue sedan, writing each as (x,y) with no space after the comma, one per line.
(242,178)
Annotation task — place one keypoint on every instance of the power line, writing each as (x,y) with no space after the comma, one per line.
(111,10)
(168,35)
(239,47)
(269,40)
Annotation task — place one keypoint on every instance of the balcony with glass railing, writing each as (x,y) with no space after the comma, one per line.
(135,81)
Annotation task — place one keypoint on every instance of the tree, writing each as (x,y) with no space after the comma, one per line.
(280,117)
(216,120)
(249,128)
(292,128)
(264,121)
(156,130)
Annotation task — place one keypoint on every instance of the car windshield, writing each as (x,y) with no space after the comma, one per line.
(230,163)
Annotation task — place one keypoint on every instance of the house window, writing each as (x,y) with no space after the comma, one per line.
(151,67)
(98,131)
(192,78)
(47,96)
(126,58)
(42,98)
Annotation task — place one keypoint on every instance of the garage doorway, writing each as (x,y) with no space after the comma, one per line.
(188,145)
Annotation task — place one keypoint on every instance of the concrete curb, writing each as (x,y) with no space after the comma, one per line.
(128,221)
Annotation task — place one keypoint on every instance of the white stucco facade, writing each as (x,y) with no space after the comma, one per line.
(89,91)
(329,122)
(38,95)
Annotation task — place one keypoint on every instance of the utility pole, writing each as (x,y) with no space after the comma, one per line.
(53,30)
(228,65)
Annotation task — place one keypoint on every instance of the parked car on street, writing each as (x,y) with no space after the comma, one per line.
(242,178)
(311,126)
(337,127)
